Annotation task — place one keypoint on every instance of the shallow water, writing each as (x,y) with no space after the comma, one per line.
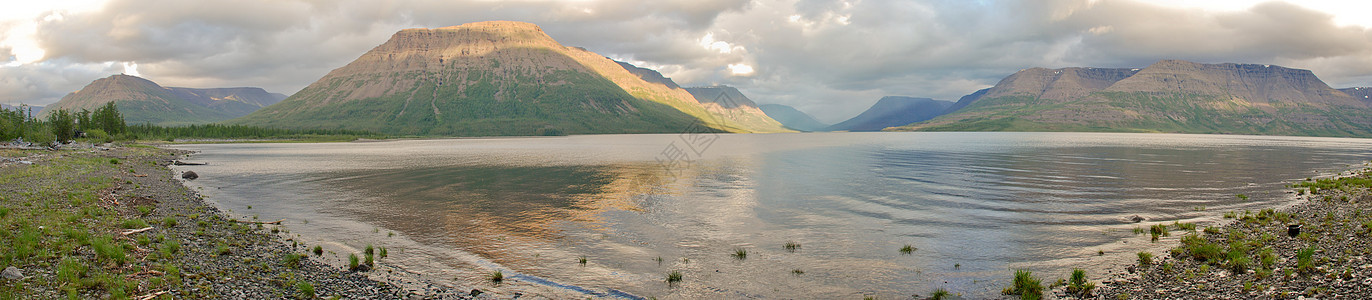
(975,205)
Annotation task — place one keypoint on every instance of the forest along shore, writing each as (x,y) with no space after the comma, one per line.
(1259,255)
(114,222)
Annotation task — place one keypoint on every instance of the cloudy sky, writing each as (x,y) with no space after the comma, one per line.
(829,58)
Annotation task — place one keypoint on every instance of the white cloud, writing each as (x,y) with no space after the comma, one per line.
(740,69)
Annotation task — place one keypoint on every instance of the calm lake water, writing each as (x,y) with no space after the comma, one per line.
(975,205)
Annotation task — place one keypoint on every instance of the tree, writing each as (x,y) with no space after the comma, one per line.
(109,119)
(63,125)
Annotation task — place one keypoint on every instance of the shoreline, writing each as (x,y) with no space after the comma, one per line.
(169,241)
(1252,255)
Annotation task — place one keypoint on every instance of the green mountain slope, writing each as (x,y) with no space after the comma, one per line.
(1169,96)
(139,100)
(488,78)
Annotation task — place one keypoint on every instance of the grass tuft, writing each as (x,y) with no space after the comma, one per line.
(908,249)
(740,254)
(496,277)
(1025,286)
(791,246)
(673,278)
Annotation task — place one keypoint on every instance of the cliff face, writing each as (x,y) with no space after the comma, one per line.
(489,78)
(143,101)
(1168,96)
(1242,82)
(1063,83)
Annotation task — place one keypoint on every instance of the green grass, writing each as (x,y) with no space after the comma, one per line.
(797,272)
(1079,285)
(318,250)
(1158,230)
(674,277)
(352,262)
(908,249)
(304,290)
(1025,286)
(791,246)
(291,260)
(740,254)
(134,224)
(582,260)
(939,294)
(1145,258)
(169,221)
(1305,260)
(222,249)
(496,277)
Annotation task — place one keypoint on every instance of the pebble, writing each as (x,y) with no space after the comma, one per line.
(12,273)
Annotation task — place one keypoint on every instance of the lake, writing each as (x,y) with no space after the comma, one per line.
(973,206)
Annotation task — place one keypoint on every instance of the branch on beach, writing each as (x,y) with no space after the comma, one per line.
(137,230)
(277,222)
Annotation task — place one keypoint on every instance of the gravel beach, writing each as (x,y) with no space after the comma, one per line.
(169,242)
(1255,255)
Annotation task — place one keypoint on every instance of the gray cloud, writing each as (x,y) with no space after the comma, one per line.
(834,59)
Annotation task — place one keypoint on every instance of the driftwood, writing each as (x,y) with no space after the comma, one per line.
(144,274)
(137,230)
(182,163)
(150,296)
(277,222)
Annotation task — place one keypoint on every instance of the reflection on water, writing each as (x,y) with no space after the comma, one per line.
(974,204)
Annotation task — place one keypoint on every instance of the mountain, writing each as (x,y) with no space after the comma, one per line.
(36,109)
(728,102)
(893,111)
(143,101)
(235,102)
(649,75)
(1168,96)
(792,118)
(1362,93)
(491,78)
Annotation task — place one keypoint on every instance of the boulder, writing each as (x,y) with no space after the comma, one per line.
(190,175)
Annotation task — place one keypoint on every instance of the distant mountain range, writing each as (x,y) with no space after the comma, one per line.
(36,109)
(793,118)
(143,101)
(1168,96)
(893,111)
(498,78)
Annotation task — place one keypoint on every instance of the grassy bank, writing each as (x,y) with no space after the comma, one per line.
(84,224)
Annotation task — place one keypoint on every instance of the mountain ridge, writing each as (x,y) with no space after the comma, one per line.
(1167,96)
(490,78)
(793,118)
(893,111)
(144,101)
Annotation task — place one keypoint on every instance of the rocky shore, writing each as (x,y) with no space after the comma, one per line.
(116,223)
(1256,255)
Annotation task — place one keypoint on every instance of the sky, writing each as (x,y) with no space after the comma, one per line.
(832,59)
